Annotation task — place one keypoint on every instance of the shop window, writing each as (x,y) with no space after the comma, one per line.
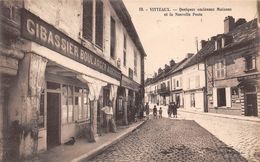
(235,94)
(250,62)
(220,69)
(112,38)
(41,113)
(82,110)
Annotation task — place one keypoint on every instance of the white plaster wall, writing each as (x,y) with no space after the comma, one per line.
(174,79)
(191,73)
(66,16)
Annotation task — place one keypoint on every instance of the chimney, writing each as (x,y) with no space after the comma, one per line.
(172,63)
(240,21)
(203,43)
(160,70)
(229,24)
(155,74)
(166,67)
(189,55)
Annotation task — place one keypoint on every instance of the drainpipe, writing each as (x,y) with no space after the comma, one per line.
(205,90)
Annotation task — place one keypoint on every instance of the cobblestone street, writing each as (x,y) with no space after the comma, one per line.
(170,140)
(243,136)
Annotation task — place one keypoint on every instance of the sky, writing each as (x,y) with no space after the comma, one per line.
(172,37)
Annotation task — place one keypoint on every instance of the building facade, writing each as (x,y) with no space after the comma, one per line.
(59,68)
(194,87)
(232,69)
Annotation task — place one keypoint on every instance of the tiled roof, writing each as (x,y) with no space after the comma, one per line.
(241,34)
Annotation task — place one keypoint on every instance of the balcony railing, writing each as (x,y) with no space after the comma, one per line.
(164,90)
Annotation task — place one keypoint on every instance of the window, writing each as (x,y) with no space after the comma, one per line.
(81,104)
(250,62)
(88,21)
(130,73)
(135,63)
(177,83)
(218,44)
(124,50)
(99,23)
(197,81)
(192,100)
(75,105)
(220,69)
(112,38)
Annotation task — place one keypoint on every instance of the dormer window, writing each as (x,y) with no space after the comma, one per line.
(218,44)
(226,40)
(250,62)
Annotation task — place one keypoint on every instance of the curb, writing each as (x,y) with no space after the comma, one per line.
(221,116)
(89,155)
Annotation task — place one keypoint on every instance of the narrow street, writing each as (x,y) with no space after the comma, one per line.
(170,140)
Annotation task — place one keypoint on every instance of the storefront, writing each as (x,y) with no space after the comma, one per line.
(127,100)
(55,93)
(250,94)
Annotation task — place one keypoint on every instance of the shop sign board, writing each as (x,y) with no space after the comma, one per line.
(37,30)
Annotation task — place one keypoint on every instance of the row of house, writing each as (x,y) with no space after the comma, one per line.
(60,63)
(222,77)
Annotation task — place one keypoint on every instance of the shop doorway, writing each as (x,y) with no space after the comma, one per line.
(53,119)
(251,105)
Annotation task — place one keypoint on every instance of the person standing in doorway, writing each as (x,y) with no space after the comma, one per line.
(108,111)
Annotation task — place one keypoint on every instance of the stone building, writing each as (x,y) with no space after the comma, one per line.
(232,69)
(61,61)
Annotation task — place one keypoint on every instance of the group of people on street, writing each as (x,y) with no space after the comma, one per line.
(155,112)
(110,123)
(172,110)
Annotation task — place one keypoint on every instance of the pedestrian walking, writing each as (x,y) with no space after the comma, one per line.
(147,110)
(160,112)
(154,112)
(170,110)
(174,110)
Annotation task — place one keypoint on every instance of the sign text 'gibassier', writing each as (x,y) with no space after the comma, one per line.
(37,30)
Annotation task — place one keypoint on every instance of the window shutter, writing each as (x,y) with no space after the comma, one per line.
(197,81)
(99,23)
(87,19)
(112,37)
(215,103)
(228,96)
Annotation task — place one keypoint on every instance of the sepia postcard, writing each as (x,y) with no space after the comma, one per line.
(129,80)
